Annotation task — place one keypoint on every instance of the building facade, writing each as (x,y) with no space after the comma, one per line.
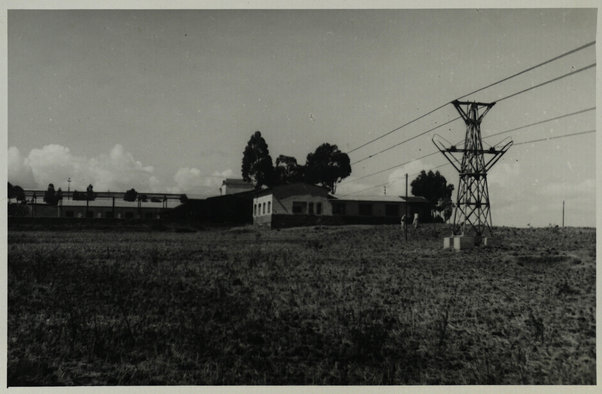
(302,204)
(296,202)
(232,186)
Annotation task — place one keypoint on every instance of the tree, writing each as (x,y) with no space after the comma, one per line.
(257,163)
(130,195)
(445,208)
(287,170)
(11,191)
(433,186)
(327,166)
(19,193)
(90,195)
(50,195)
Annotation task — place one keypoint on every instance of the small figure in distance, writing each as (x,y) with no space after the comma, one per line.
(403,222)
(415,222)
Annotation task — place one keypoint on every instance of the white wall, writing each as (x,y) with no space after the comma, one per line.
(259,203)
(285,205)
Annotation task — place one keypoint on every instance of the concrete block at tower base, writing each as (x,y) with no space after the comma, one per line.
(463,242)
(489,242)
(447,242)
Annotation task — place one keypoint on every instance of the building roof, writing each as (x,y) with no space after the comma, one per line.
(412,199)
(292,189)
(236,182)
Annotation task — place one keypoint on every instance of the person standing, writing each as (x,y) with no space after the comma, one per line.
(415,222)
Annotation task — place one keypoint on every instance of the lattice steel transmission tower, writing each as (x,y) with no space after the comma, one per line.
(472,213)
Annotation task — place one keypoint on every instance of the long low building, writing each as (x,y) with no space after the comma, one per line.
(303,204)
(105,205)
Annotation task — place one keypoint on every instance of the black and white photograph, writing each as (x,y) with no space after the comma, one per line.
(293,196)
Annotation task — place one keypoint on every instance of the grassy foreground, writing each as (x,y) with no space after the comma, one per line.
(323,305)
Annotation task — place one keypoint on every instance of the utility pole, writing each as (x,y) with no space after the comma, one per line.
(405,224)
(562,213)
(68,187)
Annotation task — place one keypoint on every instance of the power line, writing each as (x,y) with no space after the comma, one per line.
(537,123)
(447,163)
(547,82)
(390,168)
(501,99)
(398,128)
(476,91)
(388,183)
(556,137)
(492,135)
(407,140)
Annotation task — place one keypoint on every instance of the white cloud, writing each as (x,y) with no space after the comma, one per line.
(192,181)
(397,178)
(19,173)
(117,170)
(356,188)
(569,190)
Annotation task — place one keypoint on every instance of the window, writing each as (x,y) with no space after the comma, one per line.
(69,214)
(269,206)
(255,209)
(299,207)
(311,208)
(319,208)
(365,209)
(338,208)
(263,208)
(392,210)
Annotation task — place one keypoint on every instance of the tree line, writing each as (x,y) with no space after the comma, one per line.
(326,166)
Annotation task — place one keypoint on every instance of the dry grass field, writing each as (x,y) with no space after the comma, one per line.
(317,305)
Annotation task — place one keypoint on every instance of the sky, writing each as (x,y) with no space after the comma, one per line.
(166,100)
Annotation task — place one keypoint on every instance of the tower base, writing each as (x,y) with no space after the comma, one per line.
(459,242)
(462,242)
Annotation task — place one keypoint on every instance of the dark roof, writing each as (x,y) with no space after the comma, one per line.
(246,194)
(292,189)
(236,181)
(389,199)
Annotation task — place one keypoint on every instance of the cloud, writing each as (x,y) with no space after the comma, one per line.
(348,187)
(19,173)
(567,190)
(397,178)
(116,170)
(395,184)
(192,181)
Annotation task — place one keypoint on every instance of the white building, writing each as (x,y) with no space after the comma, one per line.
(232,186)
(304,204)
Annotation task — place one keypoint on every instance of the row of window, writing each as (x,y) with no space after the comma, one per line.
(305,208)
(260,208)
(109,215)
(365,209)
